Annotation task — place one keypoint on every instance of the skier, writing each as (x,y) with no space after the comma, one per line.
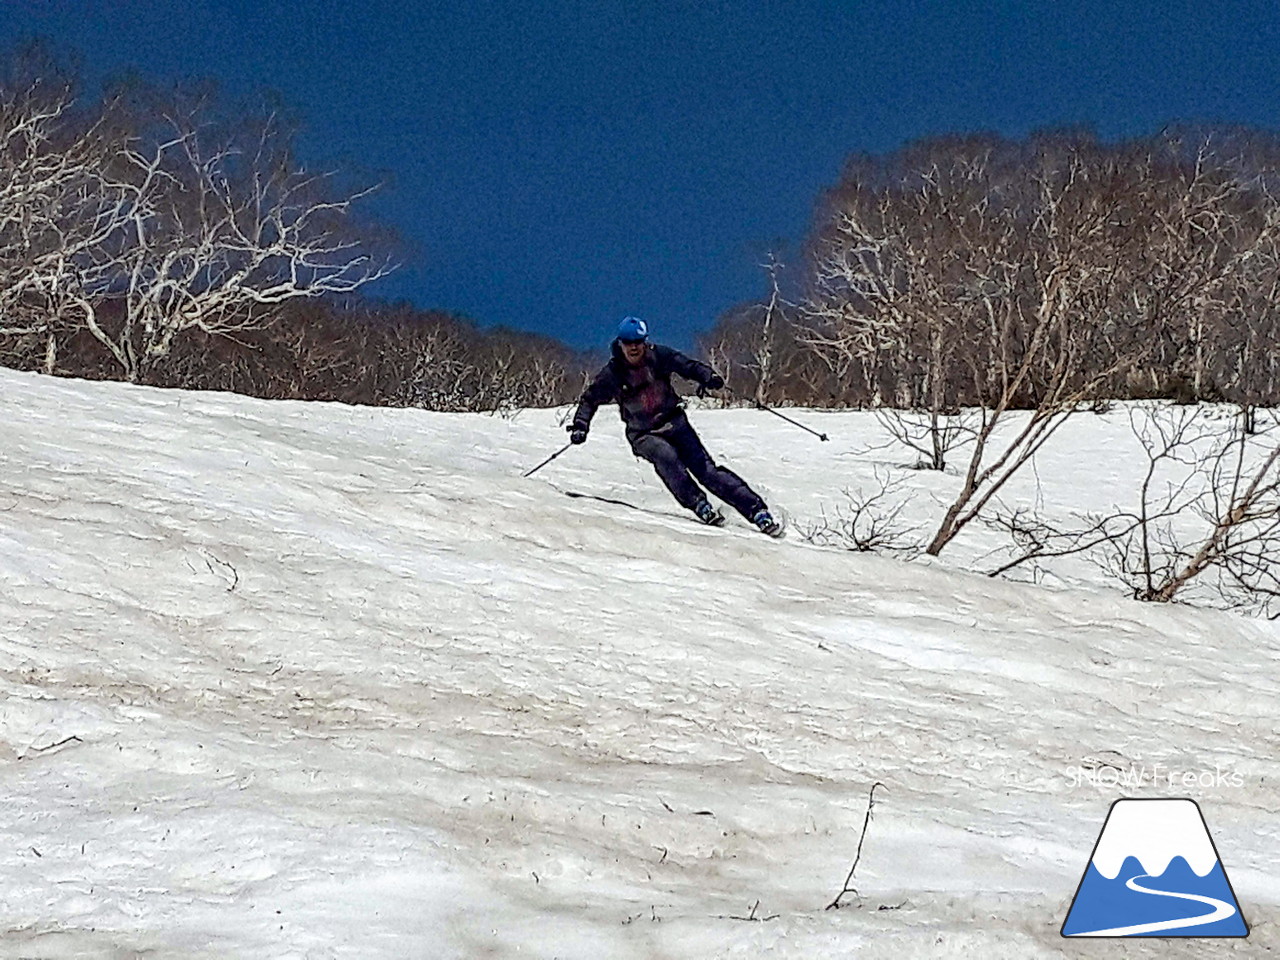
(638,377)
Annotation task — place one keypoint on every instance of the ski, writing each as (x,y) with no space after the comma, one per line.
(777,532)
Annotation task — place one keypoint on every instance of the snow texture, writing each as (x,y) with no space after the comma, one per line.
(292,680)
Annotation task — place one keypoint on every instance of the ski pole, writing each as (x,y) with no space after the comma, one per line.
(760,406)
(549,459)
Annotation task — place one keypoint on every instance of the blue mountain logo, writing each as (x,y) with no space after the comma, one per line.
(1154,873)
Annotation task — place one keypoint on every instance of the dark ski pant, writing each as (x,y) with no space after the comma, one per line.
(676,452)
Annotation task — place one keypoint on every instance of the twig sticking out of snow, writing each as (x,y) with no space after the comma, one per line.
(53,746)
(752,916)
(871,802)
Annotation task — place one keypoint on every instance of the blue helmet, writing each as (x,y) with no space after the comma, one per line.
(633,330)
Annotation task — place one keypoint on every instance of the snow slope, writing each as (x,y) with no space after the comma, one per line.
(313,681)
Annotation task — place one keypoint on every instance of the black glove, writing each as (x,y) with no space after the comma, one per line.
(714,382)
(577,435)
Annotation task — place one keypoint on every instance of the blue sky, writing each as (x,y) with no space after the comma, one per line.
(554,166)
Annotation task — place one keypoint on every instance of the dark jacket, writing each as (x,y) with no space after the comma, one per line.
(643,393)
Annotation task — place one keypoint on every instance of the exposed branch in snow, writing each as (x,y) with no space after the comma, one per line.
(871,803)
(653,917)
(220,571)
(870,523)
(751,916)
(52,746)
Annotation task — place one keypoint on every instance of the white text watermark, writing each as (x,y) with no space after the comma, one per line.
(1155,775)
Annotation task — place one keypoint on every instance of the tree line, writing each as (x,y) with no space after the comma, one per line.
(957,270)
(167,238)
(164,237)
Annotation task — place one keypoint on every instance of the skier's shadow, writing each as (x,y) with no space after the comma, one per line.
(621,503)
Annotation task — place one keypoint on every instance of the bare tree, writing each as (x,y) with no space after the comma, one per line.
(1126,543)
(1243,512)
(1207,512)
(55,207)
(1036,540)
(226,222)
(941,267)
(933,434)
(771,319)
(1020,278)
(869,521)
(1232,485)
(186,221)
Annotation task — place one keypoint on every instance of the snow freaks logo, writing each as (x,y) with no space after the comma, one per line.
(1109,776)
(1154,873)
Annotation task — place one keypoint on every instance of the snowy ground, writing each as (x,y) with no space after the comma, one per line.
(313,681)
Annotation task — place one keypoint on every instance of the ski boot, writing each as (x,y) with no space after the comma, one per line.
(709,514)
(766,524)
